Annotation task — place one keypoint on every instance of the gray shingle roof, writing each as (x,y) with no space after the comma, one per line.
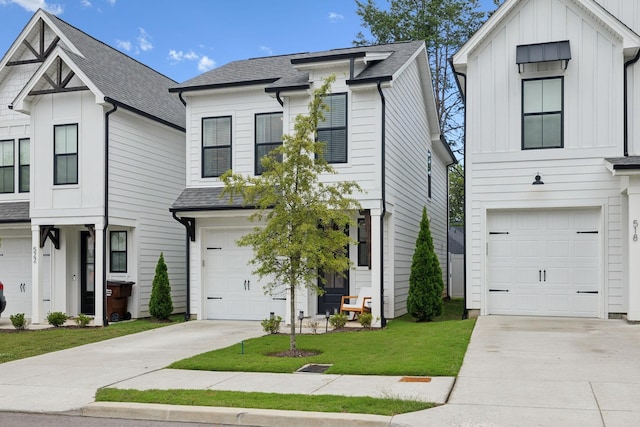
(628,162)
(122,78)
(203,199)
(279,72)
(14,212)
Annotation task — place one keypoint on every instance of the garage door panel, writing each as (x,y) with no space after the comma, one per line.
(15,274)
(554,255)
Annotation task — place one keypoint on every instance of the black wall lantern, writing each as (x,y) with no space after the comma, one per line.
(538,180)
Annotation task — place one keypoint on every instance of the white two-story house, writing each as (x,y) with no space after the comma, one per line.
(382,131)
(92,155)
(552,159)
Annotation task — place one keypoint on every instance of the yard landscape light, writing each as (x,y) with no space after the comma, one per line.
(300,317)
(326,316)
(272,315)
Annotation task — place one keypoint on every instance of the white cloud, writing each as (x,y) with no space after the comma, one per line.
(86,3)
(33,5)
(206,64)
(335,17)
(266,49)
(124,45)
(144,40)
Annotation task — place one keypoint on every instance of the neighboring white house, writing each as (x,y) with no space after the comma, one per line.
(382,132)
(552,159)
(92,151)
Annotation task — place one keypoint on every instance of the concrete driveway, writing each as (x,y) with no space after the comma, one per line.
(530,371)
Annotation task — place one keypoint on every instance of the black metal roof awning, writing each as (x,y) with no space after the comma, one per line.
(543,52)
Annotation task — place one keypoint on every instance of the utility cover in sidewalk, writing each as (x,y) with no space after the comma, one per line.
(314,368)
(415,380)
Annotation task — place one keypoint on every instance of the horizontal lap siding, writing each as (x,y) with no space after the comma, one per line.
(146,171)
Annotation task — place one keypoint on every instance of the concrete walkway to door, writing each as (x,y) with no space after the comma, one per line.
(529,371)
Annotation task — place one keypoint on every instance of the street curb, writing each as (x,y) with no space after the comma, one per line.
(230,416)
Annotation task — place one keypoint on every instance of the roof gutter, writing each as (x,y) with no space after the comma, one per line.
(626,101)
(465,313)
(383,167)
(105,318)
(144,114)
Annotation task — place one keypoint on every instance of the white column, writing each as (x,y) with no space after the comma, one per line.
(376,268)
(98,274)
(37,315)
(633,312)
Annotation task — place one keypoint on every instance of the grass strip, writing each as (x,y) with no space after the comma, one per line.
(288,402)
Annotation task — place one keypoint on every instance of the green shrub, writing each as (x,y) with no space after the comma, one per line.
(160,304)
(18,321)
(271,326)
(365,320)
(83,320)
(338,320)
(424,301)
(57,318)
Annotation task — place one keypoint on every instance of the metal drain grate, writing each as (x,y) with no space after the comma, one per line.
(313,368)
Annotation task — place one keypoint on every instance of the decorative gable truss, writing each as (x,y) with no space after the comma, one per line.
(60,78)
(38,36)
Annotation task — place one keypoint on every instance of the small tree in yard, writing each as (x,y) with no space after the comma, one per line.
(160,304)
(303,219)
(425,282)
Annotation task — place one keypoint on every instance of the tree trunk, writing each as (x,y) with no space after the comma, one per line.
(292,305)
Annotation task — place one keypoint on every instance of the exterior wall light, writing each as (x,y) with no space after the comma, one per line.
(538,180)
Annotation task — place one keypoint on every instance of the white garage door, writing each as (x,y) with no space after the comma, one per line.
(544,263)
(232,291)
(15,274)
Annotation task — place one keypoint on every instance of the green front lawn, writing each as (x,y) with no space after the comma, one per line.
(16,345)
(403,348)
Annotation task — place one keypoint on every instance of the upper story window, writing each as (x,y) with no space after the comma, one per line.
(7,166)
(429,173)
(542,113)
(333,129)
(216,146)
(268,136)
(118,252)
(65,156)
(24,164)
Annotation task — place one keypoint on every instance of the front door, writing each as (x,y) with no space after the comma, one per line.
(87,276)
(335,287)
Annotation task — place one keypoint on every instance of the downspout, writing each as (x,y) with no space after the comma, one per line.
(280,101)
(626,102)
(465,313)
(383,130)
(105,319)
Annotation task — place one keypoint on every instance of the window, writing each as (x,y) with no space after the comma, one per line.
(268,136)
(216,146)
(429,173)
(542,115)
(65,156)
(333,129)
(364,246)
(24,163)
(6,166)
(118,248)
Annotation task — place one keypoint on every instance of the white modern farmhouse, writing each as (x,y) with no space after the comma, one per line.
(91,156)
(382,131)
(552,159)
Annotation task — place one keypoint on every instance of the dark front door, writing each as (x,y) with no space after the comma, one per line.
(87,276)
(335,287)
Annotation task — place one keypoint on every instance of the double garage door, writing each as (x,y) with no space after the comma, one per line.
(232,292)
(15,274)
(544,262)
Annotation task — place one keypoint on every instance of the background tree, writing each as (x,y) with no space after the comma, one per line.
(304,219)
(160,304)
(444,25)
(456,195)
(424,301)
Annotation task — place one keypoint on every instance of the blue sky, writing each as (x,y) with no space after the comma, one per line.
(184,38)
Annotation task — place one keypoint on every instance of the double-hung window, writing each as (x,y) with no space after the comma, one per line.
(216,146)
(333,129)
(24,164)
(65,156)
(7,163)
(268,136)
(118,252)
(542,113)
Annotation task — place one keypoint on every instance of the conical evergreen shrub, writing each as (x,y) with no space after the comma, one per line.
(160,304)
(424,301)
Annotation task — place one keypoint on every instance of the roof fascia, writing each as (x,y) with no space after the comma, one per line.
(222,85)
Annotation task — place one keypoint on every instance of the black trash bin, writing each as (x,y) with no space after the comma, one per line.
(118,293)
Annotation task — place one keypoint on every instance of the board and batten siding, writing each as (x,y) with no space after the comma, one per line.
(499,173)
(408,140)
(146,175)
